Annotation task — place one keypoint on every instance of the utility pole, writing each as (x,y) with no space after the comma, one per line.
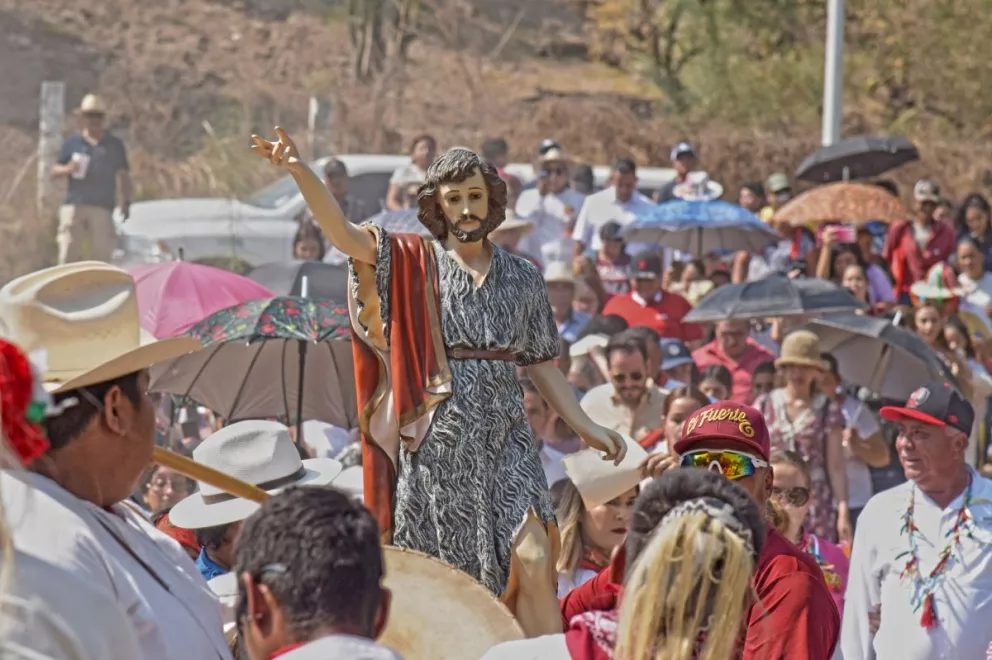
(833,73)
(51,118)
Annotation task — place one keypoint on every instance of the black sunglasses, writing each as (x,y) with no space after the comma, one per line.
(635,377)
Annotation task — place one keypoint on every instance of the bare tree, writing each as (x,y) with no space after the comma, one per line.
(380,30)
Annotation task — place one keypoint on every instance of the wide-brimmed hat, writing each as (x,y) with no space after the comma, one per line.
(84,316)
(553,155)
(941,284)
(801,349)
(513,222)
(92,105)
(697,187)
(439,612)
(559,271)
(600,481)
(258,452)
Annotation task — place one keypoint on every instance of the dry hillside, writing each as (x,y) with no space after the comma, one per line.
(188,80)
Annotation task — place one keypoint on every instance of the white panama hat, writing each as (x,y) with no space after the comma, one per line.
(258,452)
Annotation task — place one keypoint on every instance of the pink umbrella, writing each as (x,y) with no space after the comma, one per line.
(174,295)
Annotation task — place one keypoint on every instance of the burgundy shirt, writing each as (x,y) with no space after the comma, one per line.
(795,618)
(909,262)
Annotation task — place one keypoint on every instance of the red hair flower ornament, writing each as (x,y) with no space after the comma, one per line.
(24,403)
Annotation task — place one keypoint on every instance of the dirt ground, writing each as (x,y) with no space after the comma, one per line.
(189,80)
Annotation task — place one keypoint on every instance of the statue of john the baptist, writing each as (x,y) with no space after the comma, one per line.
(451,467)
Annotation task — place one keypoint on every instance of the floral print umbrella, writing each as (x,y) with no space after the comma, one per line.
(287,358)
(852,203)
(286,317)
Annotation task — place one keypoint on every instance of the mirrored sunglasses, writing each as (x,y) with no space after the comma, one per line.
(730,464)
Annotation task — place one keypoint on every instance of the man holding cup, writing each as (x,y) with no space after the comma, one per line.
(92,161)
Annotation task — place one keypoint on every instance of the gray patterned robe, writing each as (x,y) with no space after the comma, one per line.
(464,493)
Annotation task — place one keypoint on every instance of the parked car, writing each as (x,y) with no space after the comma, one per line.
(243,233)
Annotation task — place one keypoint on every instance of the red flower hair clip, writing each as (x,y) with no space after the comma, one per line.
(23,404)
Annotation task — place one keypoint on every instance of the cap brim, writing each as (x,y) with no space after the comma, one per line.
(645,275)
(134,360)
(682,446)
(898,413)
(676,362)
(194,513)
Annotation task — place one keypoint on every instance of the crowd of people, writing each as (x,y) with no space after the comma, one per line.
(751,510)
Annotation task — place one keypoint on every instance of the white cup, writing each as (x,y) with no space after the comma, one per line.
(82,162)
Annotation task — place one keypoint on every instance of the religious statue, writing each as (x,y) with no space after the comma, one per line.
(451,467)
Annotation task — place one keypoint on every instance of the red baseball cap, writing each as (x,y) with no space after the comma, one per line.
(727,421)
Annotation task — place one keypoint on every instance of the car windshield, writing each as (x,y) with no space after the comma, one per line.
(275,194)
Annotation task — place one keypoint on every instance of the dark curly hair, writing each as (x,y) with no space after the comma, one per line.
(675,486)
(456,165)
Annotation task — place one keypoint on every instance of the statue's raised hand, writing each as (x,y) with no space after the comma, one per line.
(282,152)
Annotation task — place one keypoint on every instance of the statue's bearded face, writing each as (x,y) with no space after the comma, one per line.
(466,207)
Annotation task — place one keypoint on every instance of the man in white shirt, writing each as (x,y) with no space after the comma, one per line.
(631,403)
(620,203)
(921,553)
(70,509)
(552,207)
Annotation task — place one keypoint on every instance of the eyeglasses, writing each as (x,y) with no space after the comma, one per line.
(634,377)
(177,483)
(797,496)
(730,464)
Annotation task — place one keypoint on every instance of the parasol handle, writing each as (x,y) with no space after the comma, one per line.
(208,475)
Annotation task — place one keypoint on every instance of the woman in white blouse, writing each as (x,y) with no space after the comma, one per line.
(975,281)
(423,149)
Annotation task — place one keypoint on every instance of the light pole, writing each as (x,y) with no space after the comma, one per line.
(833,73)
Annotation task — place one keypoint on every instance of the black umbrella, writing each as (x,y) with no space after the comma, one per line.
(324,281)
(875,354)
(857,158)
(775,295)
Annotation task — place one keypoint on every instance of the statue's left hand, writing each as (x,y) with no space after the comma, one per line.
(609,442)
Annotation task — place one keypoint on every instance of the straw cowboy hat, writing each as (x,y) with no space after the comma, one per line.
(258,452)
(600,481)
(440,613)
(84,316)
(513,222)
(697,187)
(801,349)
(92,105)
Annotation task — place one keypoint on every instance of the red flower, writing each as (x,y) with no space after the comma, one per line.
(268,328)
(16,391)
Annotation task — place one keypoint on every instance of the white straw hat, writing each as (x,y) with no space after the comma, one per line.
(600,481)
(258,452)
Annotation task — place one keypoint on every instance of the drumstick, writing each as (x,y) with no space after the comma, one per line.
(208,475)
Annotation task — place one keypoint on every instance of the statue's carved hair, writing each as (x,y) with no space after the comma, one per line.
(456,165)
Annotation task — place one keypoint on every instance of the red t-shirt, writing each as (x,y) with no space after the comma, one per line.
(664,315)
(795,619)
(741,368)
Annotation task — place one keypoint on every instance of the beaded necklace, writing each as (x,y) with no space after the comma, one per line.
(924,586)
